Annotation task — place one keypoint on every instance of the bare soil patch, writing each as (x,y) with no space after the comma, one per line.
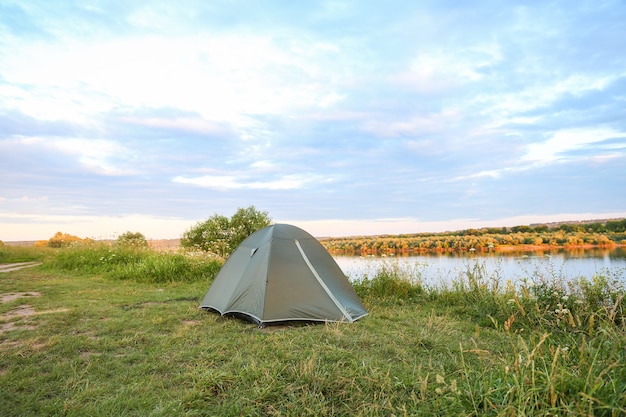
(13,317)
(22,311)
(11,296)
(5,327)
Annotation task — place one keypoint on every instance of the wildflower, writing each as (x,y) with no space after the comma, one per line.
(511,301)
(565,298)
(453,387)
(579,302)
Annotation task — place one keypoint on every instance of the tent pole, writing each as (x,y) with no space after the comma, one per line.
(321,282)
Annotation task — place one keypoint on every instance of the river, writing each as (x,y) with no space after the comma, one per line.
(443,268)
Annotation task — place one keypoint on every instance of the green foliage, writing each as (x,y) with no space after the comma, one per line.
(246,221)
(136,239)
(389,284)
(221,235)
(485,240)
(128,262)
(616,225)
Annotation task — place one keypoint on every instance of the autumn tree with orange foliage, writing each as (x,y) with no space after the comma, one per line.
(60,240)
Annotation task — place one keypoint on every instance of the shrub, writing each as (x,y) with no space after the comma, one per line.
(60,240)
(136,240)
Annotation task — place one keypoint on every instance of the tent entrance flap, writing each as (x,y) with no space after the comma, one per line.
(321,282)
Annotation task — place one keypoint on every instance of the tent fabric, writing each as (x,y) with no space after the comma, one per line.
(282,273)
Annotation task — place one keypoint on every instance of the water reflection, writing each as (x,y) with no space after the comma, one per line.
(441,268)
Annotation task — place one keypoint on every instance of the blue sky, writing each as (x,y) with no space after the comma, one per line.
(342,117)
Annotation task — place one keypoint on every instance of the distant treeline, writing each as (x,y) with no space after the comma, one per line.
(597,234)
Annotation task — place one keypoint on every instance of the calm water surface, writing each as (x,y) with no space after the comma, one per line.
(436,269)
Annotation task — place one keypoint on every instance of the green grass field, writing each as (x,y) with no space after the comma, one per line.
(86,334)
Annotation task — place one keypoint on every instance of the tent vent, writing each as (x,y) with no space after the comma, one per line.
(253,251)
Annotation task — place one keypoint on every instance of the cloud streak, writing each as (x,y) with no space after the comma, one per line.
(232,182)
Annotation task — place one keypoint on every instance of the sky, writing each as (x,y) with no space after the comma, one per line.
(341,117)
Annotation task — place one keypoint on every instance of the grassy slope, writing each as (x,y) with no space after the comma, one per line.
(99,346)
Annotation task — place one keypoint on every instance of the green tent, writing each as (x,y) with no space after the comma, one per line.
(282,273)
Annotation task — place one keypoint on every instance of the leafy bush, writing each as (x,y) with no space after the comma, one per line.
(221,235)
(60,240)
(136,239)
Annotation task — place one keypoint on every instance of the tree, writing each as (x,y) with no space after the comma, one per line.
(221,235)
(137,240)
(247,221)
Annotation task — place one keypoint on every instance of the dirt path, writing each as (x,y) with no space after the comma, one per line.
(16,266)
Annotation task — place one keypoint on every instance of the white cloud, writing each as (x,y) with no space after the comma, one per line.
(415,125)
(101,156)
(541,91)
(264,165)
(222,77)
(188,124)
(432,72)
(230,182)
(567,140)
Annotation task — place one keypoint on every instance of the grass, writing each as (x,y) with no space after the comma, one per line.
(130,262)
(11,254)
(120,338)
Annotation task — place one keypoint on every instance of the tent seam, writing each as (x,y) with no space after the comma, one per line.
(321,282)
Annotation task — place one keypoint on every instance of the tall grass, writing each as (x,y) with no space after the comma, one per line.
(10,254)
(566,340)
(128,262)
